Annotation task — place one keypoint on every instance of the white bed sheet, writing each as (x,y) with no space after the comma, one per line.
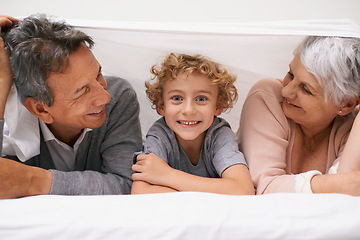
(185,215)
(252,51)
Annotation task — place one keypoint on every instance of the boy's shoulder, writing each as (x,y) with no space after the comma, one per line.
(160,129)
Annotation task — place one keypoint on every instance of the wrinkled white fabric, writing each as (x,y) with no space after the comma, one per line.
(21,135)
(252,51)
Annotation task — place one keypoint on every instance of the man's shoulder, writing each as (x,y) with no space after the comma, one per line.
(116,83)
(120,90)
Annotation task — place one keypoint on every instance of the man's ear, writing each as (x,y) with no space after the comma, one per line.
(349,106)
(38,109)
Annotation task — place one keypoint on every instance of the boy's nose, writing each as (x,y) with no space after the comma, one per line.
(189,108)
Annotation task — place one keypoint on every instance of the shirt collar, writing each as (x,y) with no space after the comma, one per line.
(49,136)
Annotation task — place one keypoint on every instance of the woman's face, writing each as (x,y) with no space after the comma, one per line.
(304,101)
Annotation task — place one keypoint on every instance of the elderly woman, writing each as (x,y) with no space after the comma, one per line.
(293,132)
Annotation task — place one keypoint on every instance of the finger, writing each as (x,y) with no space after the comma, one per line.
(141,156)
(7,21)
(2,44)
(136,168)
(136,177)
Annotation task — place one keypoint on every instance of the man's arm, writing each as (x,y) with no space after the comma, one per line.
(19,180)
(5,70)
(153,170)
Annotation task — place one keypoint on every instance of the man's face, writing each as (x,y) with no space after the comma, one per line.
(79,96)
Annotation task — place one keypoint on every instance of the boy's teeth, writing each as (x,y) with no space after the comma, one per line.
(189,123)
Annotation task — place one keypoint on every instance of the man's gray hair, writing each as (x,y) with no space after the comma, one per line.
(39,46)
(335,63)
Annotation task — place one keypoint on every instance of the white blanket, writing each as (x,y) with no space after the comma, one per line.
(128,49)
(181,216)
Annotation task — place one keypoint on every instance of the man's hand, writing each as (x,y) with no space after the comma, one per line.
(5,70)
(19,180)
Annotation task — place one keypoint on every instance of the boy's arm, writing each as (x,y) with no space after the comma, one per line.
(141,187)
(235,180)
(153,170)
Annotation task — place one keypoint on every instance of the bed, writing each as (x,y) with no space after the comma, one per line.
(251,51)
(186,215)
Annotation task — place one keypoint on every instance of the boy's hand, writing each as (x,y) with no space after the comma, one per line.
(152,169)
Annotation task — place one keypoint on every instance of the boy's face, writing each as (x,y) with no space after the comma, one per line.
(189,106)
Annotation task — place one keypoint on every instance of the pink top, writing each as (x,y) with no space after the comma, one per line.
(266,137)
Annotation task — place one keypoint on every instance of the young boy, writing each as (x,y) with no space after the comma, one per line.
(190,148)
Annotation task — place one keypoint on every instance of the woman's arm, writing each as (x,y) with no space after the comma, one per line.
(345,183)
(350,158)
(153,170)
(264,136)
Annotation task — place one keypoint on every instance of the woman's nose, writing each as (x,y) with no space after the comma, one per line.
(289,90)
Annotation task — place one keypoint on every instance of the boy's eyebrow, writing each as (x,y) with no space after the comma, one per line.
(174,91)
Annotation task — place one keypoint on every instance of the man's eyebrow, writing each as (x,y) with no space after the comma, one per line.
(99,72)
(82,87)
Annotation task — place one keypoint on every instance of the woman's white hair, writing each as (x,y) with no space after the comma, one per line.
(335,63)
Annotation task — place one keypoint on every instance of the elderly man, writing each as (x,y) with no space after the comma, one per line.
(88,125)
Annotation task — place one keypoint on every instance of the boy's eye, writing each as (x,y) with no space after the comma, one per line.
(176,98)
(201,99)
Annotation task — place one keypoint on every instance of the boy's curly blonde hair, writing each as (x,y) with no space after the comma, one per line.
(183,63)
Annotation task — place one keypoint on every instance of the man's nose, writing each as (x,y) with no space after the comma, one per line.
(101,96)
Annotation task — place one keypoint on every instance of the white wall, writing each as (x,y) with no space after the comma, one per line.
(188,10)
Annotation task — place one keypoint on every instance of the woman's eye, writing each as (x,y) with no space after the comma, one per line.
(201,99)
(291,75)
(303,87)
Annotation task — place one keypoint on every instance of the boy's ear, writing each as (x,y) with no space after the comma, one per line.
(160,108)
(349,106)
(219,109)
(38,109)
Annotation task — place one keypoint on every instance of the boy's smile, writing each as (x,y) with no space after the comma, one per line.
(189,106)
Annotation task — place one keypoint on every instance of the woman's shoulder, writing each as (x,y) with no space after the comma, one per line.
(270,86)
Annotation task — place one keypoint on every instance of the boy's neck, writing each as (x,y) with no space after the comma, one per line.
(192,148)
